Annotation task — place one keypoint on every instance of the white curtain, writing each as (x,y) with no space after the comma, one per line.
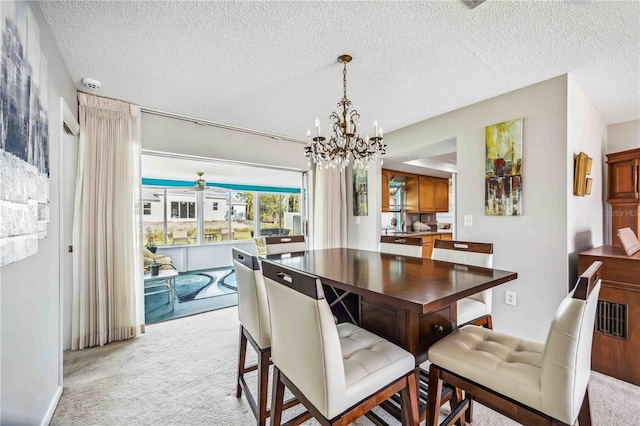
(107,288)
(329,208)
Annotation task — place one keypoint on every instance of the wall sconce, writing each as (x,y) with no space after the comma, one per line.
(581,183)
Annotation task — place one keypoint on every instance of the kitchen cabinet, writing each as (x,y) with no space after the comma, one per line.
(422,194)
(433,194)
(442,195)
(385,190)
(427,246)
(623,193)
(411,194)
(427,193)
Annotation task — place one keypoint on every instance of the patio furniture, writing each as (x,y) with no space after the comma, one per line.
(180,237)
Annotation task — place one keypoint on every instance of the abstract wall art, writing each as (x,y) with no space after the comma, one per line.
(360,199)
(24,135)
(503,169)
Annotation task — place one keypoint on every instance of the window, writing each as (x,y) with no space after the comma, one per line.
(183,210)
(279,214)
(227,215)
(181,225)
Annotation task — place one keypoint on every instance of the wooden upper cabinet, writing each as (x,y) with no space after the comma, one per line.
(411,193)
(427,194)
(623,175)
(423,194)
(442,195)
(385,190)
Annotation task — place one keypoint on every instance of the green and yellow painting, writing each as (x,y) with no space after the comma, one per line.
(503,169)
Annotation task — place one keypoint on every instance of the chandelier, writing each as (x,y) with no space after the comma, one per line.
(345,143)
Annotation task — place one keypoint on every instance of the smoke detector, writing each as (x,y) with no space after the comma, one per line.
(91,83)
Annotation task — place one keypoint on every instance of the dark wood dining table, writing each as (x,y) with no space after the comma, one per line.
(407,300)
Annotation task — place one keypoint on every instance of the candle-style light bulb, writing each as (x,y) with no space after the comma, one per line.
(318,126)
(381,132)
(308,136)
(375,128)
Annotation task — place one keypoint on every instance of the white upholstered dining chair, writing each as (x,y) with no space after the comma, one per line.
(405,246)
(285,244)
(475,309)
(255,328)
(339,372)
(526,381)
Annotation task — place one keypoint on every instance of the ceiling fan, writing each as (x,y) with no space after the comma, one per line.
(200,184)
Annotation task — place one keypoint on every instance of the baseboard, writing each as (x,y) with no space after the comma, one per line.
(52,407)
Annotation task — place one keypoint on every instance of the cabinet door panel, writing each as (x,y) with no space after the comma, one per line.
(623,180)
(385,191)
(442,195)
(426,194)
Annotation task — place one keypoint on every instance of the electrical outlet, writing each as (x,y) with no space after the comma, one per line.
(468,220)
(510,298)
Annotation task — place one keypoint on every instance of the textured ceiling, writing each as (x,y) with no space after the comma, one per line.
(271,66)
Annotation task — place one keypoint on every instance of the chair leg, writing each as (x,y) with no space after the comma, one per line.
(277,396)
(457,399)
(263,384)
(434,396)
(584,416)
(489,322)
(242,354)
(409,409)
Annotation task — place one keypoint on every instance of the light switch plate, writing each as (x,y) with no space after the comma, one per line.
(468,220)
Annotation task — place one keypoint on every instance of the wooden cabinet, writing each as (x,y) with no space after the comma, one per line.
(427,246)
(442,195)
(411,194)
(623,193)
(447,237)
(616,341)
(423,194)
(427,193)
(385,190)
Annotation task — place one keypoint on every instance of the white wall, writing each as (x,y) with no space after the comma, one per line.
(183,137)
(30,289)
(623,136)
(533,245)
(586,132)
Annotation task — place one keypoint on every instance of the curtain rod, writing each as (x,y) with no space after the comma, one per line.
(222,125)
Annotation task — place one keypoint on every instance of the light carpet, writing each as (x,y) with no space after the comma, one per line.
(183,372)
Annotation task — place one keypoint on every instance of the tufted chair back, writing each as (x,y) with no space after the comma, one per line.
(253,310)
(305,340)
(405,246)
(279,245)
(566,361)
